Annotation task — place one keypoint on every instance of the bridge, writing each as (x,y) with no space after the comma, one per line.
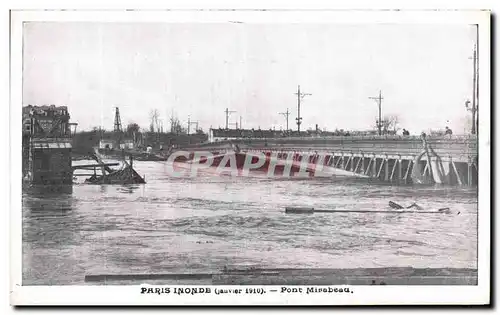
(399,159)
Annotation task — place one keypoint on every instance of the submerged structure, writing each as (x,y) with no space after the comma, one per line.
(47,145)
(125,175)
(47,138)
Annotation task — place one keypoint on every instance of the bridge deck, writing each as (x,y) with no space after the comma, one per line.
(457,148)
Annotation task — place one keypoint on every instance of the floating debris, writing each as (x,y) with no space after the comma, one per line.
(125,175)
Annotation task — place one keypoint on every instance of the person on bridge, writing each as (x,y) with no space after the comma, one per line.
(448,131)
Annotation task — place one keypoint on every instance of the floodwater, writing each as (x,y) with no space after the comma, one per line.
(202,224)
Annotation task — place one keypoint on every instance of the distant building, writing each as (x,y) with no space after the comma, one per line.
(127,144)
(113,145)
(107,144)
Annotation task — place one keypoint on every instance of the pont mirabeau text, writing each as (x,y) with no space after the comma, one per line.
(327,290)
(310,290)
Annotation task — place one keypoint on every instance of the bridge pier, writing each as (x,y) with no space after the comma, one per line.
(407,165)
(382,162)
(398,169)
(394,165)
(386,170)
(457,173)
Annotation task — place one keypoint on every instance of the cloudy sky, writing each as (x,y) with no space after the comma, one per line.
(254,69)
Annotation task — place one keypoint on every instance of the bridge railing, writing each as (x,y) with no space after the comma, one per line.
(449,145)
(353,137)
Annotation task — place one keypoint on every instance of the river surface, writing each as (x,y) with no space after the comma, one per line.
(202,224)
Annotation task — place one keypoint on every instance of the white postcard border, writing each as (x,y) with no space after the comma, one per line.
(130,295)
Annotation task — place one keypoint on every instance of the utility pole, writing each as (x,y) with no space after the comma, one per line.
(228,112)
(299,97)
(475,89)
(379,99)
(286,114)
(240,124)
(477,75)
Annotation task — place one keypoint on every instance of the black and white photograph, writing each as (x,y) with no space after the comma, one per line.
(250,157)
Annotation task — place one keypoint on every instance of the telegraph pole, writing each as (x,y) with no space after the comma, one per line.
(191,123)
(299,97)
(240,123)
(286,114)
(473,110)
(228,112)
(379,99)
(475,87)
(477,75)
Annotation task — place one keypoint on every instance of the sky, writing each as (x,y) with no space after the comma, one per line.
(195,71)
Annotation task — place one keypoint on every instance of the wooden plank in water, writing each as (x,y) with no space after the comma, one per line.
(86,166)
(86,175)
(377,211)
(299,210)
(140,277)
(312,210)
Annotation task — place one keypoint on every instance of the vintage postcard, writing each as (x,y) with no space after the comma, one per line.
(249,157)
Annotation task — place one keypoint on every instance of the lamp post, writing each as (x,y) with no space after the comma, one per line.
(72,132)
(473,110)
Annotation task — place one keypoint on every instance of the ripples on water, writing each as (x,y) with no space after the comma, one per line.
(203,224)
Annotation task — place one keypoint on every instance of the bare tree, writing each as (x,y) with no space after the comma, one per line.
(176,126)
(389,124)
(133,131)
(153,118)
(174,122)
(132,128)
